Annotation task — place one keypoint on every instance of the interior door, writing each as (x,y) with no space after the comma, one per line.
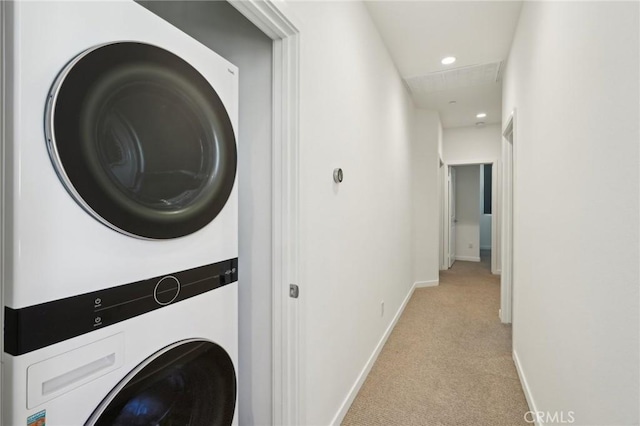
(452,216)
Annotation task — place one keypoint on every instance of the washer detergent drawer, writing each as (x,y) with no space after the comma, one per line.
(55,376)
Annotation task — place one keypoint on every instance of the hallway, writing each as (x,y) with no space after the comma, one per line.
(448,360)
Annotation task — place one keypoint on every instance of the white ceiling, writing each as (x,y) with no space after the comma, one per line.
(419,34)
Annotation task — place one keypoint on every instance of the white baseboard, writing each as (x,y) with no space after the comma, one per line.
(469,258)
(525,386)
(339,417)
(430,283)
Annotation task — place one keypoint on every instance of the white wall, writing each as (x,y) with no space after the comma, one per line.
(472,144)
(223,29)
(356,241)
(468,213)
(476,145)
(425,190)
(573,74)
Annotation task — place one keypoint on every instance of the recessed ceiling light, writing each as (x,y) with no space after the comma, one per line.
(481,115)
(448,60)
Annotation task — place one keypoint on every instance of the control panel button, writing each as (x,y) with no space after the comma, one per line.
(167,290)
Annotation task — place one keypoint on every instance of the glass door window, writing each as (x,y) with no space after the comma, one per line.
(189,383)
(141,140)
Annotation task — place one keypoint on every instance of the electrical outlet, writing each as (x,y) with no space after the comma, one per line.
(382,308)
(470,245)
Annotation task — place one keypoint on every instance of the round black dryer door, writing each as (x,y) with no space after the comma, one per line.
(189,383)
(141,140)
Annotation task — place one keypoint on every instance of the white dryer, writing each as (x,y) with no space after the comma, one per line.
(119,202)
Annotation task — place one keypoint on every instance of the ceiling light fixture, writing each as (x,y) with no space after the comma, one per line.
(448,60)
(481,115)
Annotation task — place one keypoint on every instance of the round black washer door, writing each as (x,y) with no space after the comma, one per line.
(188,383)
(141,140)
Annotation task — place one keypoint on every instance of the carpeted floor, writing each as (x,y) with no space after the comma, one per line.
(448,360)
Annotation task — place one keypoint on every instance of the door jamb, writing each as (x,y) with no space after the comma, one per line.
(276,20)
(508,213)
(447,221)
(442,179)
(3,173)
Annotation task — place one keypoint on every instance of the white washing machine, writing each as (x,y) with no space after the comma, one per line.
(119,221)
(172,366)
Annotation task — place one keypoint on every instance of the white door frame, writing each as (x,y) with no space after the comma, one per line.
(2,195)
(495,210)
(508,214)
(441,179)
(277,22)
(451,185)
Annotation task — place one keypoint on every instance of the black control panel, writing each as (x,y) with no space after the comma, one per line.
(39,326)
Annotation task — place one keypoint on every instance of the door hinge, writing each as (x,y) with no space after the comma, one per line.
(294,291)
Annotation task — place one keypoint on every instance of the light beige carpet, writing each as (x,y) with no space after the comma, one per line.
(448,360)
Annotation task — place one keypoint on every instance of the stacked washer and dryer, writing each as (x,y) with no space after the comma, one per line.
(119,220)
